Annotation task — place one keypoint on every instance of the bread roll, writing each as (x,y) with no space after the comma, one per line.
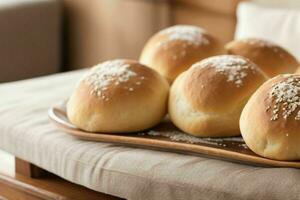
(270,121)
(207,99)
(271,58)
(173,50)
(118,96)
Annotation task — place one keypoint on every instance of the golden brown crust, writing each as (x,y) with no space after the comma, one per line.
(271,58)
(207,99)
(118,101)
(173,50)
(298,70)
(215,85)
(270,121)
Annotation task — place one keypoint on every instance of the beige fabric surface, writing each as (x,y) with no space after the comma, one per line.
(30,37)
(131,173)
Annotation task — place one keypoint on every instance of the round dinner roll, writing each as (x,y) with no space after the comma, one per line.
(271,58)
(118,96)
(298,70)
(174,49)
(207,99)
(270,121)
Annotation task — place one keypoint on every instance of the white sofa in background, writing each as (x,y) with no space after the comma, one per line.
(30,38)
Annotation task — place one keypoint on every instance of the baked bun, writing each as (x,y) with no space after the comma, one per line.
(270,121)
(207,99)
(174,49)
(118,96)
(271,58)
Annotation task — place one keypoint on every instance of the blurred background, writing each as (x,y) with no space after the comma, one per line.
(40,37)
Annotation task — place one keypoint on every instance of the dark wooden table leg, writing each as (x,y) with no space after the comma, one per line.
(28,170)
(34,183)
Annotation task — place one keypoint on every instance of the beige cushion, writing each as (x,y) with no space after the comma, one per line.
(131,173)
(29,39)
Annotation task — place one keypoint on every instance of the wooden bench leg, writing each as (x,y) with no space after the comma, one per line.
(28,184)
(28,170)
(2,198)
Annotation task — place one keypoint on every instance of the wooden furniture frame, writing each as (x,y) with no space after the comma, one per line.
(33,183)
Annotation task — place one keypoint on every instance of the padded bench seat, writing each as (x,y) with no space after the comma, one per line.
(131,173)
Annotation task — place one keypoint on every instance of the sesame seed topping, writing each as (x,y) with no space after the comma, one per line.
(104,74)
(286,97)
(234,67)
(178,136)
(243,146)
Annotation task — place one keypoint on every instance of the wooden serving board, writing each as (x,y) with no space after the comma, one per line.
(167,137)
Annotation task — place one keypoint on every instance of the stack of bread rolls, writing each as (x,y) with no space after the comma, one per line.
(184,72)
